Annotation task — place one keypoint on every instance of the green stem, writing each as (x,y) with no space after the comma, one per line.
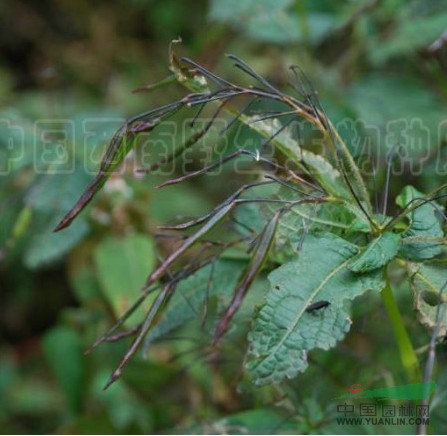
(406,350)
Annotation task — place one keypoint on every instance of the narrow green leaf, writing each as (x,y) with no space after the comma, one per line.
(22,222)
(284,332)
(376,254)
(406,350)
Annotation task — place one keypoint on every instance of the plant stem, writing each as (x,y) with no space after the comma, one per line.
(406,350)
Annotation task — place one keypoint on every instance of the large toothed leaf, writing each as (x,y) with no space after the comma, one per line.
(427,280)
(376,254)
(424,224)
(283,331)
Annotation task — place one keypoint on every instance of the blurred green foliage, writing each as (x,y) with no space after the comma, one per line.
(74,62)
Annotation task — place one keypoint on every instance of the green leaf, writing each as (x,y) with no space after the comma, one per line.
(426,281)
(284,332)
(124,407)
(410,33)
(22,222)
(229,10)
(269,129)
(423,224)
(84,285)
(189,297)
(258,421)
(306,218)
(47,247)
(265,20)
(249,219)
(122,266)
(272,21)
(376,254)
(64,353)
(326,174)
(48,198)
(332,181)
(415,110)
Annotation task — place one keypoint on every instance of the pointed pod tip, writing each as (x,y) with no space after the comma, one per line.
(61,226)
(113,378)
(109,383)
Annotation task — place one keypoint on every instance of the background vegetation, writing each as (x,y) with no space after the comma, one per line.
(71,63)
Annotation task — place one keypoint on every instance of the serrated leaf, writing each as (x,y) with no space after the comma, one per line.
(284,332)
(122,265)
(376,254)
(426,281)
(423,224)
